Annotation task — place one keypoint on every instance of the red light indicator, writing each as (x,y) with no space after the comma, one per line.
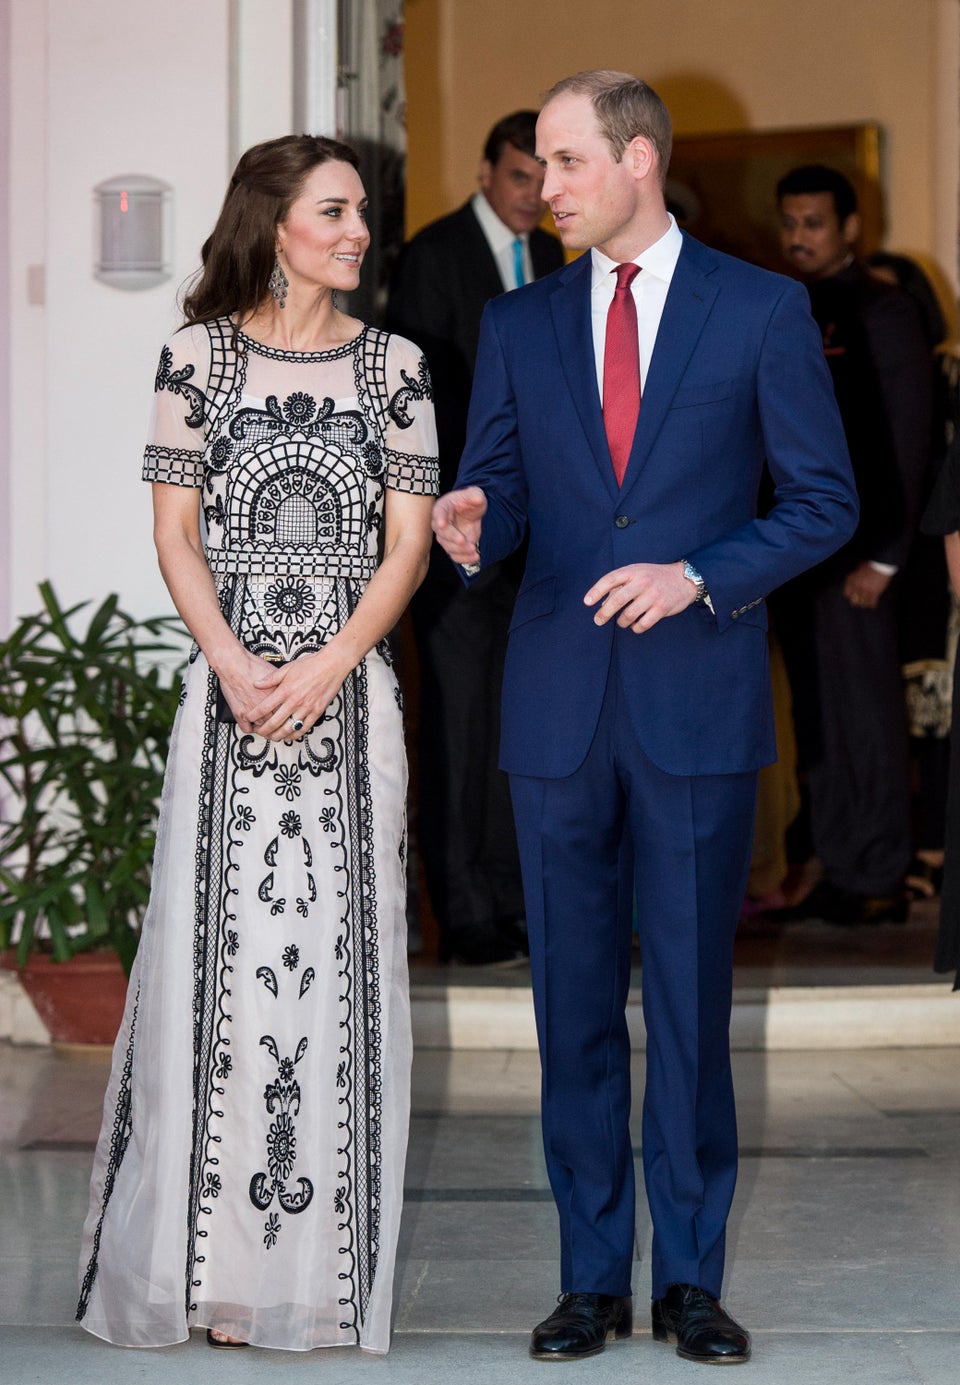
(124,202)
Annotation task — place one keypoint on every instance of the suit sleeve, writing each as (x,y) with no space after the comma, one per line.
(815,507)
(492,458)
(901,360)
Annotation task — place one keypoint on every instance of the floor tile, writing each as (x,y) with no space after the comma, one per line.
(842,1245)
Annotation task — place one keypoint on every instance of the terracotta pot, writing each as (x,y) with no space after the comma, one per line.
(80,1001)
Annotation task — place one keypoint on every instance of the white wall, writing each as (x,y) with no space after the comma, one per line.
(24,356)
(97,89)
(166,117)
(262,72)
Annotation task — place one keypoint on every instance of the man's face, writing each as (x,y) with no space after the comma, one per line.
(594,199)
(812,237)
(512,187)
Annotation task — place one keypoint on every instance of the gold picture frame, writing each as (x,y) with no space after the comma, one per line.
(722,188)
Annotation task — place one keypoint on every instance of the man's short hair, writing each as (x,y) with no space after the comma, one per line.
(814,178)
(518,129)
(625,108)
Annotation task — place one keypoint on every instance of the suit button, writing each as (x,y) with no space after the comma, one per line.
(621,521)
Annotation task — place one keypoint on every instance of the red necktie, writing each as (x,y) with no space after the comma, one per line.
(621,371)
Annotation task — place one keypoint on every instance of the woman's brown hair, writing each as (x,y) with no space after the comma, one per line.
(238,256)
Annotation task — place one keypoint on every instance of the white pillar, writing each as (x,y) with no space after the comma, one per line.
(315,109)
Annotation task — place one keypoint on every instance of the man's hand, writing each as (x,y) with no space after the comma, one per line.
(864,586)
(641,594)
(457,519)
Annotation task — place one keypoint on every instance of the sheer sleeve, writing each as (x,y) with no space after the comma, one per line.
(942,515)
(410,439)
(176,434)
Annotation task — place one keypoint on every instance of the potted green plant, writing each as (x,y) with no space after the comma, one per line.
(85,721)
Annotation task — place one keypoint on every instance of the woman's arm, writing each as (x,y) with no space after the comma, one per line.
(305,687)
(176,534)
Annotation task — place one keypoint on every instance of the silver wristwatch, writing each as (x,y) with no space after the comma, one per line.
(692,575)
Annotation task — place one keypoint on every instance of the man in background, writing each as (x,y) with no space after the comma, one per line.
(443,280)
(846,681)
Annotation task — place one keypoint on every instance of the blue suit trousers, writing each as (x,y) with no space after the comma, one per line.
(619,823)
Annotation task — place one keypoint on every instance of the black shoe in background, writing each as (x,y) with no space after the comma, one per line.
(845,908)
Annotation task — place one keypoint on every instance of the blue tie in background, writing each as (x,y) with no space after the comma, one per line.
(518,273)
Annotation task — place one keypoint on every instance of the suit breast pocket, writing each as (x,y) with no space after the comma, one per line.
(688,396)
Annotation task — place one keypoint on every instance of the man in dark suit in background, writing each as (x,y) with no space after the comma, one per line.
(445,277)
(636,695)
(847,686)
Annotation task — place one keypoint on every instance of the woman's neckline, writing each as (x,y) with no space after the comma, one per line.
(282,353)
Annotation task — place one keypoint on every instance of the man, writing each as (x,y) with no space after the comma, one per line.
(444,279)
(636,705)
(847,685)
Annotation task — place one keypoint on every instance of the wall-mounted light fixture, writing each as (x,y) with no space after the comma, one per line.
(133,231)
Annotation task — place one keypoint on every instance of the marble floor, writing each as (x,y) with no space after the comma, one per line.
(843,1248)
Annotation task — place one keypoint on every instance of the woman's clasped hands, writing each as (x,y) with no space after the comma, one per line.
(281,703)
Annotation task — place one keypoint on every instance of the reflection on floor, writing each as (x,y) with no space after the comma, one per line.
(843,1257)
(805,953)
(796,986)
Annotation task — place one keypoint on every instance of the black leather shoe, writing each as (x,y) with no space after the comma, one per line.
(699,1326)
(842,907)
(580,1326)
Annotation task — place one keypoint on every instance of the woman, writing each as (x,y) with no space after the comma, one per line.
(249,1172)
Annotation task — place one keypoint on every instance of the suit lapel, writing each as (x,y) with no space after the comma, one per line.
(690,298)
(478,253)
(570,306)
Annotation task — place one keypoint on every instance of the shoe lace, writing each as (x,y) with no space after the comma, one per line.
(697,1302)
(586,1303)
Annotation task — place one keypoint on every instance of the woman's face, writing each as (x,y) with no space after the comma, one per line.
(325,235)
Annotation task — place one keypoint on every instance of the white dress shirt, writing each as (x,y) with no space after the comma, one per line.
(500,240)
(649,289)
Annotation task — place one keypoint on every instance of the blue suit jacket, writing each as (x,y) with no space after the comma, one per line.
(737,378)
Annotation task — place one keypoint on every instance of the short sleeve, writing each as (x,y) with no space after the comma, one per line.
(410,439)
(175,436)
(942,515)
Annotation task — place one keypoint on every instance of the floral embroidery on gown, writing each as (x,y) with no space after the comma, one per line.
(249,1172)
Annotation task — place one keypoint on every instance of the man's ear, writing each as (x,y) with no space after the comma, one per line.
(850,229)
(485,175)
(641,156)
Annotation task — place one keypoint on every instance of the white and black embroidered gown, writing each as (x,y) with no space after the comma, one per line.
(249,1172)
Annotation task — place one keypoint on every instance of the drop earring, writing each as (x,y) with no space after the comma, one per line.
(278,283)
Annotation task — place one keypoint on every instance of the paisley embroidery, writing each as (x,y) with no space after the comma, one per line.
(282,1099)
(178,381)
